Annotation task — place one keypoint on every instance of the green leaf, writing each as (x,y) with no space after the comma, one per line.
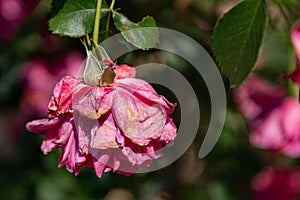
(75,18)
(56,5)
(134,32)
(237,38)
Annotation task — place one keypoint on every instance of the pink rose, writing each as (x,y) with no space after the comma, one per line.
(134,121)
(119,125)
(274,120)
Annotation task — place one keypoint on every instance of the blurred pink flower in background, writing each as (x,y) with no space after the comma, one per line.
(119,127)
(12,14)
(295,39)
(276,184)
(39,76)
(273,119)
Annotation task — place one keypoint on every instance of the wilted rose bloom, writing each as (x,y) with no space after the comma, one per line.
(276,184)
(274,120)
(119,125)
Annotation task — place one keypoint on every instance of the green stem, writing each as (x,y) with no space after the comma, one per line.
(111,9)
(293,89)
(97,22)
(107,24)
(112,5)
(87,37)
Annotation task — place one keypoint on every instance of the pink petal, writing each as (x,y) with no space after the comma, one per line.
(100,164)
(268,134)
(295,37)
(83,128)
(292,148)
(70,155)
(92,102)
(112,160)
(276,184)
(144,91)
(256,97)
(41,125)
(125,71)
(57,136)
(62,95)
(56,131)
(103,135)
(169,132)
(96,134)
(142,156)
(290,117)
(138,156)
(139,120)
